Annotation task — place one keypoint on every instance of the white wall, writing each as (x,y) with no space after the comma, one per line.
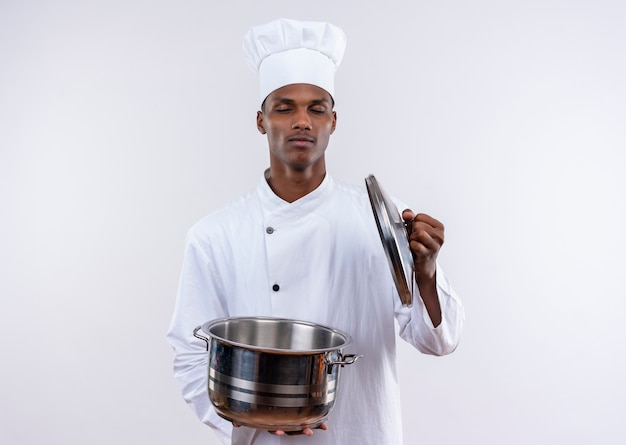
(123,122)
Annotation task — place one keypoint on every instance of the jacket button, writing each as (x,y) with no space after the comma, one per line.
(270,230)
(275,287)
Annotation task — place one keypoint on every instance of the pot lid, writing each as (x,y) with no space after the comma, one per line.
(394,236)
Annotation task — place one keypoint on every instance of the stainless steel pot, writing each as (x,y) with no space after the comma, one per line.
(273,373)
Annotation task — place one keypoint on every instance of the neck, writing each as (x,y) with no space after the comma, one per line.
(291,185)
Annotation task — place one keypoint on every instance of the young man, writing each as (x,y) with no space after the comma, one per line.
(304,246)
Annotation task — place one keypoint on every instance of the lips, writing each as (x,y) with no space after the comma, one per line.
(301,138)
(301,141)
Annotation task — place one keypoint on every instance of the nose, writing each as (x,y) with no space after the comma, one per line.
(301,121)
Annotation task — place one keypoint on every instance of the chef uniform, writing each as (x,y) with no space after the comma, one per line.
(318,259)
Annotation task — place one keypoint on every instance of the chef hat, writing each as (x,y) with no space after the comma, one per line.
(285,52)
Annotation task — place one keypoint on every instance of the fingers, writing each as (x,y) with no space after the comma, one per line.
(426,236)
(424,230)
(408,215)
(304,431)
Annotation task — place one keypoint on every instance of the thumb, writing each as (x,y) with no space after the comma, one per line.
(407,214)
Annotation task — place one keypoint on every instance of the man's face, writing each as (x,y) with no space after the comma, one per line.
(298,120)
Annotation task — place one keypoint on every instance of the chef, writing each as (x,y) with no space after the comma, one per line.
(304,245)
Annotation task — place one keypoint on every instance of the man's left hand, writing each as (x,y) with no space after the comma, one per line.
(426,236)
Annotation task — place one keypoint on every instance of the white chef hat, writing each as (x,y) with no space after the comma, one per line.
(286,51)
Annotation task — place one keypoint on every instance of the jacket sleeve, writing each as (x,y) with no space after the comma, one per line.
(198,300)
(416,327)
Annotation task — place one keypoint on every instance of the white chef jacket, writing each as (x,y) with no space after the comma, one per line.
(318,259)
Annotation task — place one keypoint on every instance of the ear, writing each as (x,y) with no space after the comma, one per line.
(333,125)
(259,122)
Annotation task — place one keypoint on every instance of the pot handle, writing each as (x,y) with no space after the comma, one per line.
(346,359)
(195,334)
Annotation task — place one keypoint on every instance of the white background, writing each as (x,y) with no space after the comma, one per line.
(124,122)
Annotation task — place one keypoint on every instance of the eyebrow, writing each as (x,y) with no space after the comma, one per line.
(286,100)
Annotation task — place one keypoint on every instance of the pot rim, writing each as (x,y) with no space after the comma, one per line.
(206,328)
